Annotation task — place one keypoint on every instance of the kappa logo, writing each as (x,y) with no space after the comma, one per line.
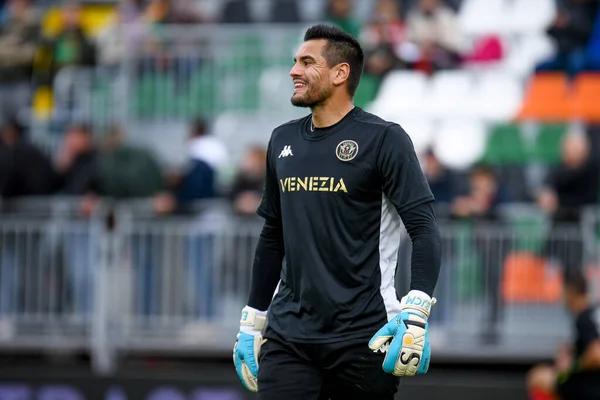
(346,150)
(287,151)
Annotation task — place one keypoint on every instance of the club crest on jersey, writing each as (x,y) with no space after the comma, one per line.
(346,150)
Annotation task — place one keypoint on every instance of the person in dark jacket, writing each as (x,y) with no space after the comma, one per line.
(76,164)
(571,32)
(24,169)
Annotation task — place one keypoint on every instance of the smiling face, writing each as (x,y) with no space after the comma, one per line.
(311,75)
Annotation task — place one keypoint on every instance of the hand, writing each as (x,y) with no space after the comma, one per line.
(547,201)
(247,346)
(405,338)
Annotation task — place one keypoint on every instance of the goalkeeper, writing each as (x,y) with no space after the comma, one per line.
(338,183)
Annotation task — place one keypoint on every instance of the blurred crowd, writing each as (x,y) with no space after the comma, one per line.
(117,170)
(411,34)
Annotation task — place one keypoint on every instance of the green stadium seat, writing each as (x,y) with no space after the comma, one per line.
(505,145)
(367,90)
(548,143)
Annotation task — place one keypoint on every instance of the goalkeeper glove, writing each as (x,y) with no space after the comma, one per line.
(247,346)
(409,352)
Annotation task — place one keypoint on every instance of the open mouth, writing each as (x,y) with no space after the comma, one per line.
(299,87)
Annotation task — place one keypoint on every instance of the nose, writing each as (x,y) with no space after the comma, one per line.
(295,72)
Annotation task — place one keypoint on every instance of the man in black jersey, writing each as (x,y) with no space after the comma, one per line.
(576,372)
(337,183)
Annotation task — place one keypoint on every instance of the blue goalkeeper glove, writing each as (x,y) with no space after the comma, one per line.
(247,346)
(405,338)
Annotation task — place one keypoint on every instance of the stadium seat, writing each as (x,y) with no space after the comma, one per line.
(276,88)
(530,16)
(525,52)
(497,97)
(94,17)
(403,93)
(367,90)
(420,130)
(459,144)
(505,145)
(480,17)
(546,99)
(586,97)
(451,94)
(527,279)
(548,143)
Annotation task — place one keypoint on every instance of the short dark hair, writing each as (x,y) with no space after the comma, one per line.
(576,281)
(341,47)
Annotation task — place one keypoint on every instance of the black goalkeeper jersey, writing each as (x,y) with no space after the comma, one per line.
(338,192)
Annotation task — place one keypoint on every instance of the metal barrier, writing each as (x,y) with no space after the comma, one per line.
(49,260)
(176,284)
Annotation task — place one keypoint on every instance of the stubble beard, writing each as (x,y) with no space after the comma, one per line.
(311,98)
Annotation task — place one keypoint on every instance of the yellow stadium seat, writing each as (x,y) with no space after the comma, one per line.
(42,103)
(93,19)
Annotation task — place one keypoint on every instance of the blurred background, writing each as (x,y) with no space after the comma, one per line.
(132,151)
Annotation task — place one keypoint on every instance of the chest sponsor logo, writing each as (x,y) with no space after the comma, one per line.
(287,151)
(346,150)
(313,184)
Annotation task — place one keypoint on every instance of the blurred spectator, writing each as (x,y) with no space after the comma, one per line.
(24,169)
(486,194)
(247,187)
(19,35)
(235,12)
(574,183)
(435,29)
(76,161)
(206,147)
(285,11)
(340,14)
(383,39)
(198,181)
(127,172)
(575,374)
(570,187)
(571,31)
(71,47)
(439,178)
(480,205)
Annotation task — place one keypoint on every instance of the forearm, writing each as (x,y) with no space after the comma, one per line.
(421,225)
(266,270)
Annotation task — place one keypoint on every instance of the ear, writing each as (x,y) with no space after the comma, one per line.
(342,73)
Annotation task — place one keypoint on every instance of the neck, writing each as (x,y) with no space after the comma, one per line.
(331,112)
(581,305)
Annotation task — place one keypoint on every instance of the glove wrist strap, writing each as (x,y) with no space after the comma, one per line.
(252,320)
(417,302)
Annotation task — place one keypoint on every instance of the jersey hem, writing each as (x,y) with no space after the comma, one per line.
(321,340)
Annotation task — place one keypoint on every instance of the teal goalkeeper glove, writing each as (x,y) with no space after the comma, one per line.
(247,346)
(405,338)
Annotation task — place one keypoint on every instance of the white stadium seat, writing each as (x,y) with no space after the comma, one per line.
(526,52)
(478,17)
(459,144)
(402,93)
(451,94)
(420,130)
(498,96)
(530,16)
(276,88)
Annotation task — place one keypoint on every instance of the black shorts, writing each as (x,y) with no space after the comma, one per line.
(346,370)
